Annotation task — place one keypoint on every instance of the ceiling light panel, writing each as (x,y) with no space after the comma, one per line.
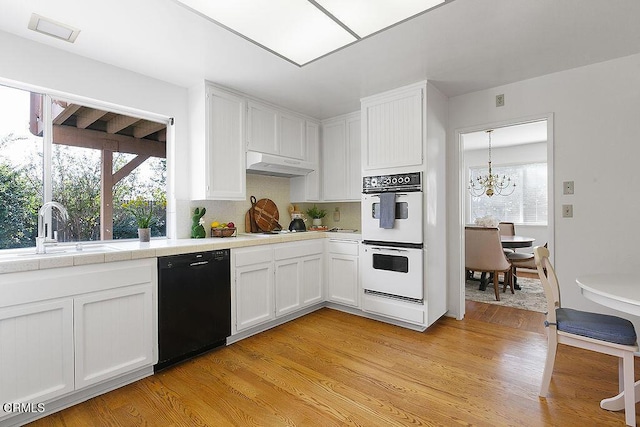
(294,29)
(53,28)
(366,17)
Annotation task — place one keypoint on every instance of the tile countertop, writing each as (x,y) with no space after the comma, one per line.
(19,260)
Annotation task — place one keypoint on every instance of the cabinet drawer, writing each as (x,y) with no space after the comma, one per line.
(298,250)
(344,247)
(253,256)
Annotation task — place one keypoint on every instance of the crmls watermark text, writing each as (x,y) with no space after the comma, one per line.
(23,407)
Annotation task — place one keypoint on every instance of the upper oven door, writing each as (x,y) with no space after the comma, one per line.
(407,227)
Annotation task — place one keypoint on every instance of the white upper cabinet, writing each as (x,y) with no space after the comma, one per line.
(262,128)
(275,131)
(307,188)
(292,136)
(341,173)
(393,128)
(217,144)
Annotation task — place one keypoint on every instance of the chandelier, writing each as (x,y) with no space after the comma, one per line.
(491,184)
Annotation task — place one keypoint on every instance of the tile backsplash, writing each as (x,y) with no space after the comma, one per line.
(261,186)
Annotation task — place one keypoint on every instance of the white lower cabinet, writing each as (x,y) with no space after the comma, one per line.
(113,333)
(73,327)
(36,351)
(276,280)
(253,286)
(343,273)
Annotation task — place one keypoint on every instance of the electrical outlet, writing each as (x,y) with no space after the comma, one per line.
(500,100)
(567,187)
(567,211)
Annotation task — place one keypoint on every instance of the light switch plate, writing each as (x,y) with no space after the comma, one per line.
(567,211)
(567,187)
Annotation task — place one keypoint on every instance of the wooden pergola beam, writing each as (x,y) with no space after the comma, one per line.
(128,168)
(69,135)
(120,122)
(87,117)
(147,128)
(66,113)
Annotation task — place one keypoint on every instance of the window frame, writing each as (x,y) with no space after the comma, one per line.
(47,138)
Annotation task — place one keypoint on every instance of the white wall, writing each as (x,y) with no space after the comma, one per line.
(55,71)
(595,141)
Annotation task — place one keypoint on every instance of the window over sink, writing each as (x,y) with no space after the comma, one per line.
(90,158)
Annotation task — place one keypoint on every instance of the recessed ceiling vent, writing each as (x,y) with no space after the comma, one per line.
(53,28)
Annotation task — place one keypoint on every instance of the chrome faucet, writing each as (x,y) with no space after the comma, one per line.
(41,240)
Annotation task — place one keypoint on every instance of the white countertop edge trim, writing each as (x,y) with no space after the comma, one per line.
(132,250)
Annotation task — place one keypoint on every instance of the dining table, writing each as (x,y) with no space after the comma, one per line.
(621,292)
(514,242)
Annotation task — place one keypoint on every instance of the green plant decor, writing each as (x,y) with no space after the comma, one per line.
(142,211)
(316,213)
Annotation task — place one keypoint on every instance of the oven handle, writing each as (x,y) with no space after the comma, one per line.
(373,248)
(397,195)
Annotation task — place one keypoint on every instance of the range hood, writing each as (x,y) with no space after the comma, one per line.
(269,164)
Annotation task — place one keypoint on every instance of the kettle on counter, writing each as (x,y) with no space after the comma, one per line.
(297,222)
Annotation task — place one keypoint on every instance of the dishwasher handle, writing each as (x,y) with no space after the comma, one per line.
(198,263)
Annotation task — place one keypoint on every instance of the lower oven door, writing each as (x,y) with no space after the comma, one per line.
(393,271)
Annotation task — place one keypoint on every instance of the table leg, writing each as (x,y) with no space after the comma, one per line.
(616,403)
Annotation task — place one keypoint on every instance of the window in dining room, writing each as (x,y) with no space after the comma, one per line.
(527,204)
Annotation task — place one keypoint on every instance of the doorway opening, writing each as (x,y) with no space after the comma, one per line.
(521,150)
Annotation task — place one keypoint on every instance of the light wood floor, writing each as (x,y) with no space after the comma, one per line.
(331,369)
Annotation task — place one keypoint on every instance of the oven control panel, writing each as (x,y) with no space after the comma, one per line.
(397,182)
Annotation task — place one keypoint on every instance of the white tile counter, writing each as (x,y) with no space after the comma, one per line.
(66,255)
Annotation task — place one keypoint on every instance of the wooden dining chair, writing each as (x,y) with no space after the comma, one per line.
(507,229)
(483,253)
(603,333)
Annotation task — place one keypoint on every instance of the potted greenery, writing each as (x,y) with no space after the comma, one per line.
(142,211)
(317,215)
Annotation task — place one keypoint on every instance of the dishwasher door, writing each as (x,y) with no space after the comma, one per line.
(194,304)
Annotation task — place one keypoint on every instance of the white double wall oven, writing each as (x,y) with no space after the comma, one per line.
(392,234)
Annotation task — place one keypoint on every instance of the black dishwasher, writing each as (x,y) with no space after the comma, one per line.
(194,305)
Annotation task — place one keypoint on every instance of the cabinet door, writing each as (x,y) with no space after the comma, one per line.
(354,178)
(262,128)
(393,129)
(225,172)
(307,188)
(292,136)
(343,279)
(311,280)
(113,333)
(36,351)
(334,161)
(287,285)
(254,295)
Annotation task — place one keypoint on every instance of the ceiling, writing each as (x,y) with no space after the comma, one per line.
(525,133)
(461,46)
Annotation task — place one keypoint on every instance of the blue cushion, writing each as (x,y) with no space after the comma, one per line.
(597,326)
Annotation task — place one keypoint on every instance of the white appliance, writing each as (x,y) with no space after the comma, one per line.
(393,262)
(393,271)
(407,227)
(269,164)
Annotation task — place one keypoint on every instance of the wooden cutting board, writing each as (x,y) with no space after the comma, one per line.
(266,215)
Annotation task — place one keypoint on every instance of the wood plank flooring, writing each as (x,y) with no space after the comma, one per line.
(330,368)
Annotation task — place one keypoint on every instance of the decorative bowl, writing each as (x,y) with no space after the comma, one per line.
(223,232)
